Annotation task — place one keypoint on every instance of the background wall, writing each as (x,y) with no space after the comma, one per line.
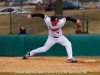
(18,45)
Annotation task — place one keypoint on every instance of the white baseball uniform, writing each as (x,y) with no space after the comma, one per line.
(55,36)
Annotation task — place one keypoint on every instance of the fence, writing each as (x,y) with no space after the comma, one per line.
(37,26)
(82,45)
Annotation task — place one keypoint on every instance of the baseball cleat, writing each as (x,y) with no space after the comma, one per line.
(26,56)
(72,61)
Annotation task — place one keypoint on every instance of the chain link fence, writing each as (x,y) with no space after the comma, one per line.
(37,25)
(11,23)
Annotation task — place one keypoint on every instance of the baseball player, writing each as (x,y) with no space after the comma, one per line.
(55,35)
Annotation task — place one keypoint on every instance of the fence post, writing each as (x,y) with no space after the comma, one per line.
(83,20)
(87,24)
(10,23)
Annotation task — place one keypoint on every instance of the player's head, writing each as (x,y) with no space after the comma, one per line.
(54,20)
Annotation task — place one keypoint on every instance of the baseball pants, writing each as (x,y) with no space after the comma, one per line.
(51,41)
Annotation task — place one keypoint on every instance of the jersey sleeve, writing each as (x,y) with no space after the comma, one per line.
(71,19)
(47,20)
(46,17)
(38,15)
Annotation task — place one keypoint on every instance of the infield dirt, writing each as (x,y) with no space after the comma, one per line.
(47,64)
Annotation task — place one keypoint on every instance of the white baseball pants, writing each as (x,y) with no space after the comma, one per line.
(50,42)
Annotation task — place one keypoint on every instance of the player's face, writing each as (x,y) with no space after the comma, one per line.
(54,23)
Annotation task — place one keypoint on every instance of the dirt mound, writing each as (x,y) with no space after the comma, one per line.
(48,64)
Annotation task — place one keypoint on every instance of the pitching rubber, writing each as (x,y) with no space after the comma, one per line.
(88,61)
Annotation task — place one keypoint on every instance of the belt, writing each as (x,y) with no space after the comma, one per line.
(56,36)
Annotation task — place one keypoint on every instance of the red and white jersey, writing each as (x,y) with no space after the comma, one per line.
(55,31)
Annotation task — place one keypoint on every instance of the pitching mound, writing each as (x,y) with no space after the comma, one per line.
(48,64)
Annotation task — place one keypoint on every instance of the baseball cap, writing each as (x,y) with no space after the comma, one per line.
(54,19)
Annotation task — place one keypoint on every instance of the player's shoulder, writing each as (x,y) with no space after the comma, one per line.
(63,20)
(47,18)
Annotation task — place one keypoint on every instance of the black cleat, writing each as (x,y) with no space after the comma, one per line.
(72,61)
(26,56)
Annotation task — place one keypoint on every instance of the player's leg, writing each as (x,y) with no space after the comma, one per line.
(65,42)
(49,43)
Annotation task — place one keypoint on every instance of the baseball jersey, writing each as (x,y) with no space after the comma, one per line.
(56,30)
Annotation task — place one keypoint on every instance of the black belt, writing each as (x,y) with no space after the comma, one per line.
(55,37)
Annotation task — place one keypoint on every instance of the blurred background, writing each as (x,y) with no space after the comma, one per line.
(11,18)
